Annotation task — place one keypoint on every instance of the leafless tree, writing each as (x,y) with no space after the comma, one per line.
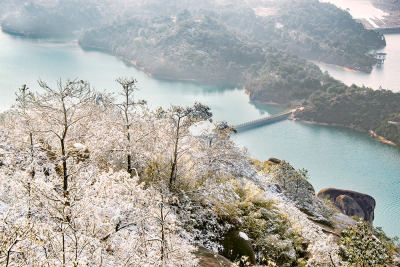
(24,98)
(127,107)
(60,110)
(182,118)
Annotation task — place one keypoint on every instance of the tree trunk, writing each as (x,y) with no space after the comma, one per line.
(32,175)
(162,229)
(129,169)
(63,244)
(128,135)
(172,177)
(65,170)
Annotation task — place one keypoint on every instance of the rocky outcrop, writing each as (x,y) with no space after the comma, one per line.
(274,160)
(236,244)
(351,203)
(207,258)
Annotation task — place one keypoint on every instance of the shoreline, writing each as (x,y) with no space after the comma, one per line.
(248,93)
(371,133)
(134,64)
(383,139)
(347,69)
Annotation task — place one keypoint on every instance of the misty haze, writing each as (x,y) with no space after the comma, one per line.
(199,133)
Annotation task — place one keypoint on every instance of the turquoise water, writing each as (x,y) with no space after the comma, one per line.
(335,157)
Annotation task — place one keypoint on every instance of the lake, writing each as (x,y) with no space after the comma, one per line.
(386,76)
(360,9)
(335,157)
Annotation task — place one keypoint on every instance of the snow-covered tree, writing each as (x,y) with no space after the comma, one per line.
(118,186)
(60,110)
(181,119)
(126,108)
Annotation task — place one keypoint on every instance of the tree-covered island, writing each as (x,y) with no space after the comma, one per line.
(264,47)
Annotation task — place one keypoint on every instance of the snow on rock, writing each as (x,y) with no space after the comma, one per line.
(322,247)
(80,146)
(243,235)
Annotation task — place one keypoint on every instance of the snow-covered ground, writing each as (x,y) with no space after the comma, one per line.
(3,207)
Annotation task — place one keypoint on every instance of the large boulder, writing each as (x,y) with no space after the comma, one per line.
(236,244)
(351,203)
(349,206)
(207,258)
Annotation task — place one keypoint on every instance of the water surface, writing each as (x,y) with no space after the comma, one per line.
(386,76)
(360,9)
(335,157)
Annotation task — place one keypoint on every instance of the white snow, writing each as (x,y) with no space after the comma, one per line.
(203,128)
(3,207)
(79,146)
(243,235)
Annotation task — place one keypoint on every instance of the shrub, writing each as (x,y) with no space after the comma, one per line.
(362,248)
(273,239)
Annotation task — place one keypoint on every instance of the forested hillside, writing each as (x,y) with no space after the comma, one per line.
(49,19)
(306,28)
(184,47)
(362,109)
(164,185)
(320,31)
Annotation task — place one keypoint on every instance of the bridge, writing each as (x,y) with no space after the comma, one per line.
(264,121)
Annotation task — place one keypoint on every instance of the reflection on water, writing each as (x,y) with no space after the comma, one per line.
(387,76)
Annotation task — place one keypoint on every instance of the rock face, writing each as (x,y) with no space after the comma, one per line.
(236,245)
(351,203)
(274,160)
(208,258)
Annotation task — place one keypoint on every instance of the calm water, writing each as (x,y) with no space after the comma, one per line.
(334,157)
(387,76)
(360,9)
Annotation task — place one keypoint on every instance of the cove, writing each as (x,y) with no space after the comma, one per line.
(335,157)
(386,76)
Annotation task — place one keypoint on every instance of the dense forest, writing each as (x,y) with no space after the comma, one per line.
(185,47)
(49,19)
(190,39)
(362,109)
(262,46)
(327,100)
(325,33)
(289,26)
